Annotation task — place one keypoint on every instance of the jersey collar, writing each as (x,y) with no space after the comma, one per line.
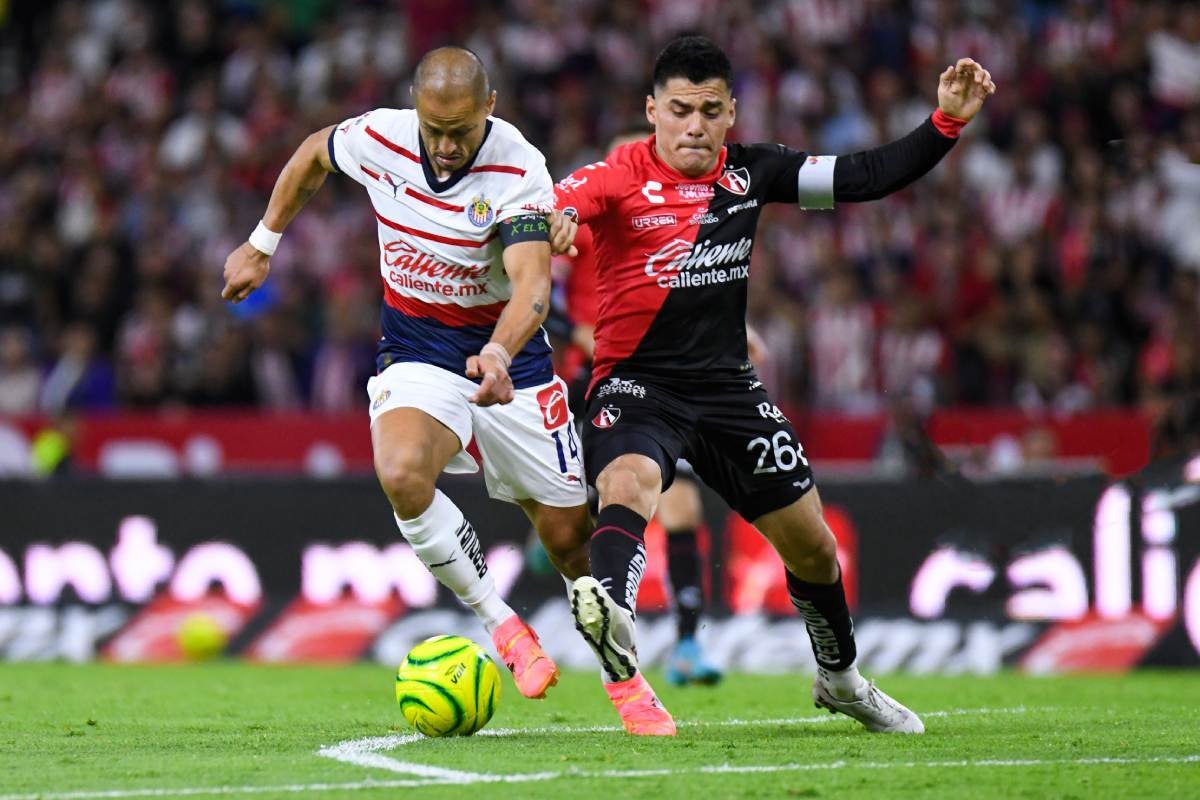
(679,177)
(438,185)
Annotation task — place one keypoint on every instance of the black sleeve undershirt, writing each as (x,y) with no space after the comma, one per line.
(872,174)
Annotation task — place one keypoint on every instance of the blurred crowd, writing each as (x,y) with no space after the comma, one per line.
(1050,262)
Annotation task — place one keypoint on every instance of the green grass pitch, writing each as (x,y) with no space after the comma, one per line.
(234,730)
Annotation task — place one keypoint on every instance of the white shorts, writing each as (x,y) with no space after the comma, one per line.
(529,447)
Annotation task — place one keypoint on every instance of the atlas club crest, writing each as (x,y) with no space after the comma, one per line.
(735,180)
(607,417)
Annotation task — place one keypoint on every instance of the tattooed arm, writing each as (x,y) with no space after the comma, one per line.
(527,262)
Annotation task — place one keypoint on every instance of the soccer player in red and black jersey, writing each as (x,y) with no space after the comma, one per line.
(674,220)
(680,510)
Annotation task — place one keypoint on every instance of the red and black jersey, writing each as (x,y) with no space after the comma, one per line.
(672,253)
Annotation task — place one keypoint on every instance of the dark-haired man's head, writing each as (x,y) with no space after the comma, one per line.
(692,107)
(453,99)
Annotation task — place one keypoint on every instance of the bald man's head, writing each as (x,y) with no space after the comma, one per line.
(450,72)
(451,94)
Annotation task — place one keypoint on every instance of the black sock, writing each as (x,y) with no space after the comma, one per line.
(683,564)
(618,553)
(827,617)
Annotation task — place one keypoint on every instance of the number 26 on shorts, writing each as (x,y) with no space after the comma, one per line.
(779,454)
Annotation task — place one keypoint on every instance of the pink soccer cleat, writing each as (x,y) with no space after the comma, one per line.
(533,670)
(639,707)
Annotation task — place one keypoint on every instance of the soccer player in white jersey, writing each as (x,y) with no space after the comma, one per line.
(462,202)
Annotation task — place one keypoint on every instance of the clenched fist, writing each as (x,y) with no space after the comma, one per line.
(245,270)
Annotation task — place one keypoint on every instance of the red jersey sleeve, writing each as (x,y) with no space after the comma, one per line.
(586,191)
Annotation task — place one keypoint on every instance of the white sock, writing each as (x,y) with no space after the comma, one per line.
(843,682)
(448,545)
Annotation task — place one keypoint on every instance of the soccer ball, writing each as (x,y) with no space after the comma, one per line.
(447,686)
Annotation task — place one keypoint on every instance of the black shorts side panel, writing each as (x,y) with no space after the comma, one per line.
(628,416)
(747,450)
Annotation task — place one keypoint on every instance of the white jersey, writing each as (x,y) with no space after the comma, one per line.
(440,252)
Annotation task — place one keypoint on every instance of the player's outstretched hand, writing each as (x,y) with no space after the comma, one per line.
(245,270)
(496,387)
(562,233)
(963,87)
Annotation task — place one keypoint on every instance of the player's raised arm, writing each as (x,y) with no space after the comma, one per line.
(526,241)
(871,174)
(246,267)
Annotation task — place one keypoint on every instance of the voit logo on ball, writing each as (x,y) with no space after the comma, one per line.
(607,417)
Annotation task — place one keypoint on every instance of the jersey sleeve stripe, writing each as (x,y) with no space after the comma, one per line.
(329,146)
(372,173)
(447,313)
(499,168)
(434,237)
(433,201)
(390,145)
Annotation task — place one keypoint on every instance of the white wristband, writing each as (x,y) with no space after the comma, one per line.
(264,240)
(499,351)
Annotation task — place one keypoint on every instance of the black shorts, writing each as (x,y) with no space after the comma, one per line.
(737,440)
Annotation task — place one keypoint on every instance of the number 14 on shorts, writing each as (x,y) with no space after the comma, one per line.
(566,432)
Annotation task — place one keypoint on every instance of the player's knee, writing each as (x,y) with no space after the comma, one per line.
(812,555)
(628,486)
(564,533)
(405,483)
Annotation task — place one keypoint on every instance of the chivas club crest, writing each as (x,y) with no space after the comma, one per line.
(480,212)
(736,180)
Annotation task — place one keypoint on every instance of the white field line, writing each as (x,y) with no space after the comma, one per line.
(365,752)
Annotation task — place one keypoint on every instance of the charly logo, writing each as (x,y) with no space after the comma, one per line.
(380,399)
(480,212)
(607,417)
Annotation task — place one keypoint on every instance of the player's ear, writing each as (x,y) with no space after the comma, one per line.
(491,102)
(650,113)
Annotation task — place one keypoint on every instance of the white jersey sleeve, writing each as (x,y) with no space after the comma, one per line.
(533,192)
(353,150)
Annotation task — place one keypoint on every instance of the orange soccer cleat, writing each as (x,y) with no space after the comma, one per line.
(639,707)
(533,670)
